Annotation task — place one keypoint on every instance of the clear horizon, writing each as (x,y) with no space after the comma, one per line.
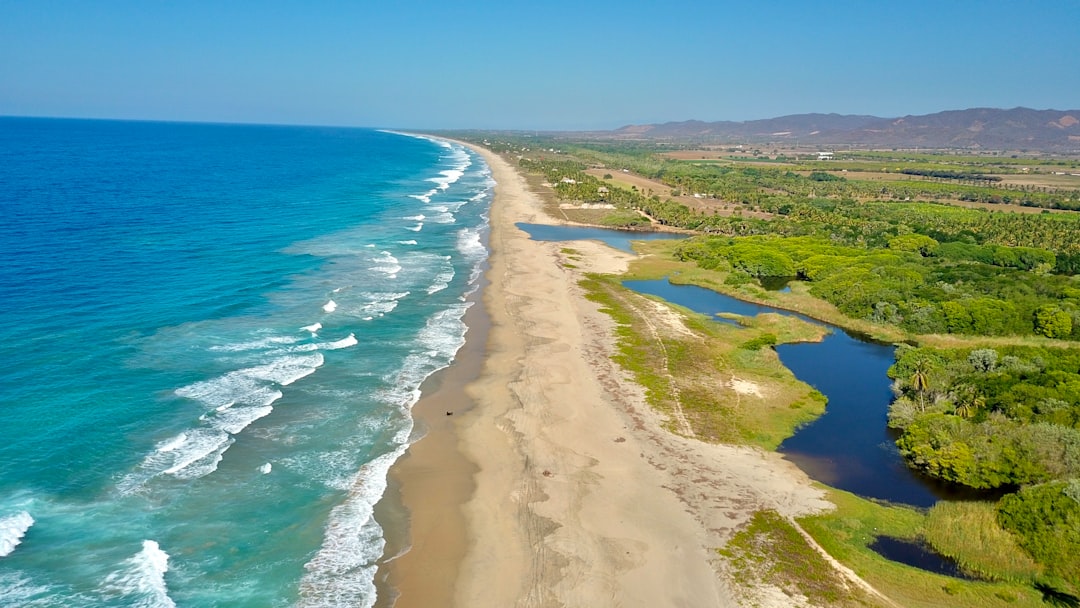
(556,66)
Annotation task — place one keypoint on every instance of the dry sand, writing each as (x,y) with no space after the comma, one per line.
(574,493)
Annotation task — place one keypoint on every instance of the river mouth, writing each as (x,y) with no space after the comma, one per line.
(919,555)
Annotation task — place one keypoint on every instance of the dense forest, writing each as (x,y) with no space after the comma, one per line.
(912,282)
(1000,418)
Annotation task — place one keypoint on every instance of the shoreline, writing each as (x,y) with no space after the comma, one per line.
(575,492)
(421,510)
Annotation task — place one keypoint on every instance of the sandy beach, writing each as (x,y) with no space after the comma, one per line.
(554,484)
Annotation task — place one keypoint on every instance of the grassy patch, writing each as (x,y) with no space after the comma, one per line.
(846,533)
(969,533)
(691,368)
(770,550)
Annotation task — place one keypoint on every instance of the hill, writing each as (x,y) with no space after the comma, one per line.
(973,129)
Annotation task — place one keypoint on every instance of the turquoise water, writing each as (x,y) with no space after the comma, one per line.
(212,336)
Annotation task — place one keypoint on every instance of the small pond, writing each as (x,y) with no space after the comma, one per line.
(918,555)
(619,239)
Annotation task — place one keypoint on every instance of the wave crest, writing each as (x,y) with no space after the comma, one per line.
(12,530)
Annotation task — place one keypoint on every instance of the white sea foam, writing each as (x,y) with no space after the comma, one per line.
(285,370)
(266,468)
(409,242)
(233,401)
(234,387)
(447,178)
(12,530)
(314,327)
(199,445)
(443,334)
(442,280)
(18,589)
(234,420)
(171,444)
(470,245)
(415,218)
(345,342)
(417,228)
(342,572)
(259,344)
(330,306)
(377,303)
(141,580)
(387,264)
(443,218)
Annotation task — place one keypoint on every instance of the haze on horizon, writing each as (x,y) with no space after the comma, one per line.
(543,65)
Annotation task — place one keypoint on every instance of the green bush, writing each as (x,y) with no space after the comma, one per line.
(1046,518)
(759,342)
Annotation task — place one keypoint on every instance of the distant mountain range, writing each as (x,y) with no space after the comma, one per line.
(975,129)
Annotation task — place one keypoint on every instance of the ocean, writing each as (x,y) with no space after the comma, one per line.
(211,337)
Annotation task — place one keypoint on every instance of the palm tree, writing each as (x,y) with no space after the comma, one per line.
(968,402)
(920,381)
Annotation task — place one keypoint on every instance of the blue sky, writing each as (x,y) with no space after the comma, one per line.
(532,65)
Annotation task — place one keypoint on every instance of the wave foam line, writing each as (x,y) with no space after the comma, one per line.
(18,589)
(442,280)
(268,342)
(330,306)
(141,581)
(345,342)
(235,400)
(342,572)
(12,530)
(470,245)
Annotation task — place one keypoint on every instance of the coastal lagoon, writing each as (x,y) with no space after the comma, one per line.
(213,336)
(850,446)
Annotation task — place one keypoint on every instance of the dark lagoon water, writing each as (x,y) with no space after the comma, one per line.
(917,554)
(619,239)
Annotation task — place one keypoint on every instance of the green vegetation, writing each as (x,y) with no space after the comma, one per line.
(770,550)
(847,532)
(969,533)
(913,281)
(684,365)
(986,417)
(1046,519)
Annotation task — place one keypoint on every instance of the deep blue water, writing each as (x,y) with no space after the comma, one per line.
(212,336)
